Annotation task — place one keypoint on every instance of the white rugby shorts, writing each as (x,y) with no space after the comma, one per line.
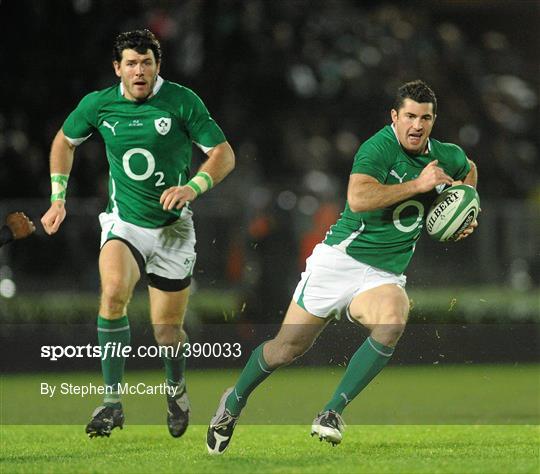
(332,279)
(168,252)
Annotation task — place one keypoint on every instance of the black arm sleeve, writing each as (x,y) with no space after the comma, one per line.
(5,235)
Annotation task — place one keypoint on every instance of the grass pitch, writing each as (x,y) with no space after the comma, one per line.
(275,449)
(438,419)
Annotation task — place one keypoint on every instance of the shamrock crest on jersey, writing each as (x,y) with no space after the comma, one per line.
(163,125)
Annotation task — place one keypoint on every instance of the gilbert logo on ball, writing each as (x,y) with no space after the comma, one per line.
(452,212)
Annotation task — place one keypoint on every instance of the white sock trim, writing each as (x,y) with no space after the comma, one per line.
(113,330)
(377,350)
(262,368)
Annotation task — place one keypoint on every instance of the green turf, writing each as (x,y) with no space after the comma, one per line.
(439,394)
(427,419)
(274,449)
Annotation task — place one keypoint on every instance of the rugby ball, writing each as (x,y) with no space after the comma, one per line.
(452,212)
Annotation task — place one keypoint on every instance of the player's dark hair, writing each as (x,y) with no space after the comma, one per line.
(139,40)
(418,91)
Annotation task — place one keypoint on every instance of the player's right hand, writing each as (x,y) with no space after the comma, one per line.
(20,225)
(52,219)
(176,197)
(431,176)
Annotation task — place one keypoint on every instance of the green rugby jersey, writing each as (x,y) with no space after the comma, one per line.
(148,145)
(385,238)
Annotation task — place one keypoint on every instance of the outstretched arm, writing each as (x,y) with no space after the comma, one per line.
(365,193)
(219,164)
(61,161)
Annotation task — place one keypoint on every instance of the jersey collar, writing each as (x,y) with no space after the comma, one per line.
(155,90)
(395,133)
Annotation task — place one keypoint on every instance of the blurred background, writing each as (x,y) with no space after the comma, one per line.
(297,86)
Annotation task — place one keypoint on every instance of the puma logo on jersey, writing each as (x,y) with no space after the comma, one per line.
(397,176)
(108,125)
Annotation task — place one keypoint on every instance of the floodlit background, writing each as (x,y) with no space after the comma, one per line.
(296,85)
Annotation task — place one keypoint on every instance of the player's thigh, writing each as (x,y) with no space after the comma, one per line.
(118,269)
(384,304)
(168,307)
(299,327)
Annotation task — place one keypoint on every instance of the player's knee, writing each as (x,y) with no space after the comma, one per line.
(390,329)
(167,334)
(285,353)
(114,296)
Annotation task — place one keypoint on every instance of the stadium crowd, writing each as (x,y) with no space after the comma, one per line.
(297,84)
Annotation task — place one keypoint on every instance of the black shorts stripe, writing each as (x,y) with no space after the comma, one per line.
(155,281)
(167,284)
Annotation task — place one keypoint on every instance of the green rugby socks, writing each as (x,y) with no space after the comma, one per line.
(112,335)
(175,368)
(365,364)
(255,372)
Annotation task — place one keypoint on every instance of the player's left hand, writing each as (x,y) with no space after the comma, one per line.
(176,197)
(468,231)
(20,225)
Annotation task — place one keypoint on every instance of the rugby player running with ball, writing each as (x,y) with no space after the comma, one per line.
(359,267)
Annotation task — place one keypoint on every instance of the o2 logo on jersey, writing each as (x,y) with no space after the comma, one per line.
(150,166)
(396,216)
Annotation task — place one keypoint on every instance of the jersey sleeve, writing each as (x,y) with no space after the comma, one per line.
(370,160)
(82,122)
(202,128)
(461,166)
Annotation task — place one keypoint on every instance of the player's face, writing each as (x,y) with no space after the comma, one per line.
(413,123)
(138,73)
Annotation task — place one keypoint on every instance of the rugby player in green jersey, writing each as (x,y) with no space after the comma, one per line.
(359,267)
(148,126)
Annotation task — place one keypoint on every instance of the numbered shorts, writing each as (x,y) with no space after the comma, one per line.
(166,254)
(332,279)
